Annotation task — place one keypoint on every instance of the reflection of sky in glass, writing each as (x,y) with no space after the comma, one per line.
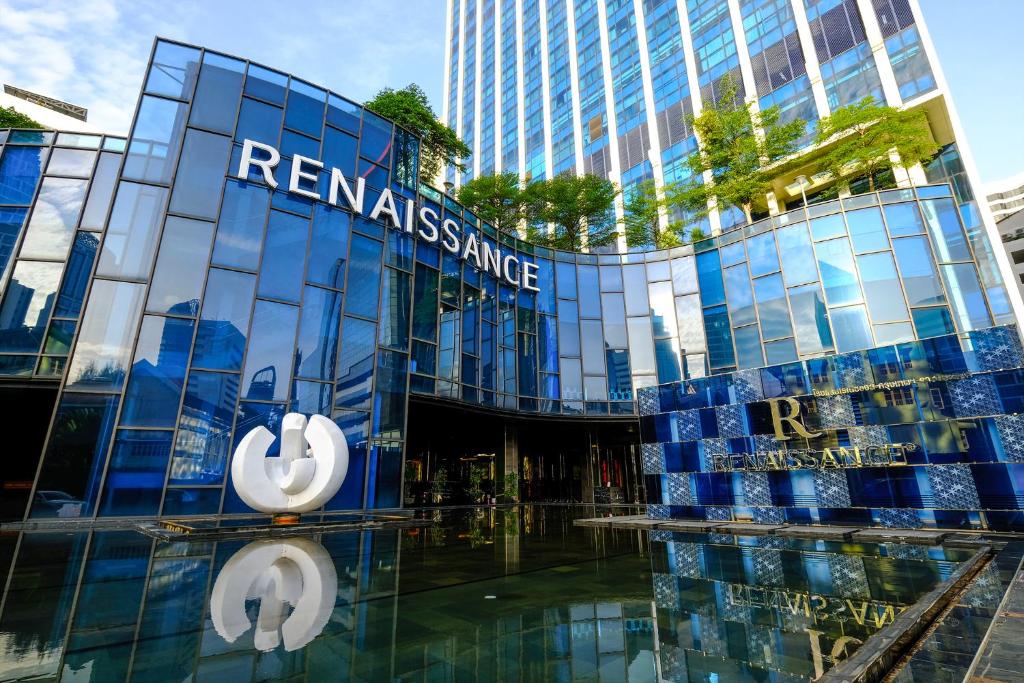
(41,279)
(54,218)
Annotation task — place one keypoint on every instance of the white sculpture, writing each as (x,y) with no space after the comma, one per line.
(300,479)
(297,572)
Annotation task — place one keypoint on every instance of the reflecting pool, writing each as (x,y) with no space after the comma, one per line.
(513,594)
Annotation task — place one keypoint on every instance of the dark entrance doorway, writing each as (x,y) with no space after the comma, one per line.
(458,455)
(28,409)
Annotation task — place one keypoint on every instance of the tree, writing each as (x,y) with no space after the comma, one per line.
(9,118)
(866,132)
(737,145)
(410,109)
(579,208)
(642,219)
(497,199)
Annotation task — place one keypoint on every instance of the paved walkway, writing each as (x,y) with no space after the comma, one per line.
(1002,655)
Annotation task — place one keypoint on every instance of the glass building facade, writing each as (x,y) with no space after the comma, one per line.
(175,301)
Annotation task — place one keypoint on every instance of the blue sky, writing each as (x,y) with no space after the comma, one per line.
(93,52)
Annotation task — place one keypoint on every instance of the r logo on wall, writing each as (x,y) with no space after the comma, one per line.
(300,479)
(790,417)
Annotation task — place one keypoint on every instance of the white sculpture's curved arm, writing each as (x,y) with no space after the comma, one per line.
(300,479)
(297,572)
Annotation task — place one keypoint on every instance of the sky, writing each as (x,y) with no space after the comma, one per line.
(93,52)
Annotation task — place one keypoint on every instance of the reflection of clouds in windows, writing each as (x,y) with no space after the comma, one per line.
(54,218)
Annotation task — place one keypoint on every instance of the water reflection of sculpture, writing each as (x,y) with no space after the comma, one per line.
(279,573)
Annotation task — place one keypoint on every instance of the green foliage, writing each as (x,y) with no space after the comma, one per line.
(439,484)
(510,486)
(737,144)
(9,118)
(410,109)
(696,235)
(476,478)
(497,199)
(643,209)
(865,132)
(579,207)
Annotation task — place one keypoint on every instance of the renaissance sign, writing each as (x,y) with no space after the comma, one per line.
(424,224)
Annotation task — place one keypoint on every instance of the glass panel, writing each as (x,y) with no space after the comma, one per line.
(590,299)
(271,350)
(75,455)
(330,239)
(305,110)
(763,256)
(394,312)
(240,229)
(851,326)
(837,272)
(920,281)
(20,169)
(614,309)
(76,275)
(595,389)
(355,364)
(54,218)
(26,305)
(810,318)
(220,341)
(828,227)
(340,151)
(641,346)
(663,311)
(216,99)
(114,144)
(364,277)
(158,372)
(635,280)
(568,329)
(316,349)
(893,333)
(180,267)
(343,114)
(867,230)
(943,221)
(733,254)
(565,279)
(709,273)
(94,217)
(135,479)
(311,397)
(691,328)
(772,308)
(203,160)
(611,278)
(106,336)
(797,256)
(265,84)
(932,322)
(60,336)
(11,221)
(260,122)
(882,287)
(284,256)
(748,347)
(666,352)
(782,351)
(203,440)
(684,275)
(593,347)
(153,147)
(71,162)
(174,70)
(132,234)
(966,296)
(741,300)
(719,338)
(903,219)
(424,317)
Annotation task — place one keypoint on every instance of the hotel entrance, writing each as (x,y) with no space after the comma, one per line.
(460,456)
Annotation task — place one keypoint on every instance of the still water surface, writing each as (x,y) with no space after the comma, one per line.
(490,595)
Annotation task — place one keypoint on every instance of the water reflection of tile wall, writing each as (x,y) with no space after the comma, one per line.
(953,403)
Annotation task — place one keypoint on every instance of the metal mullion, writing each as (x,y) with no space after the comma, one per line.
(142,610)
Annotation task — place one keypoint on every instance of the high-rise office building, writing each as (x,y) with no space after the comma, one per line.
(542,87)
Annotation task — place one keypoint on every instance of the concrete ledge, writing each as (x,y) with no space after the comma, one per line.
(916,536)
(593,522)
(824,533)
(744,529)
(692,525)
(875,659)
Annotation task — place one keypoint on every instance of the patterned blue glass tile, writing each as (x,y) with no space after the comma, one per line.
(659,535)
(728,609)
(731,421)
(652,455)
(762,645)
(768,566)
(688,425)
(851,369)
(687,560)
(986,589)
(658,511)
(711,640)
(906,551)
(1011,434)
(666,591)
(953,487)
(831,489)
(721,539)
(756,489)
(747,385)
(774,542)
(868,435)
(899,518)
(648,400)
(997,348)
(679,492)
(718,513)
(835,411)
(709,449)
(769,515)
(849,577)
(766,442)
(974,396)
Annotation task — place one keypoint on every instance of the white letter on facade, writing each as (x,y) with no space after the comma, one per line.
(511,274)
(410,210)
(266,165)
(471,248)
(451,239)
(298,173)
(492,259)
(355,201)
(530,277)
(429,218)
(386,204)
